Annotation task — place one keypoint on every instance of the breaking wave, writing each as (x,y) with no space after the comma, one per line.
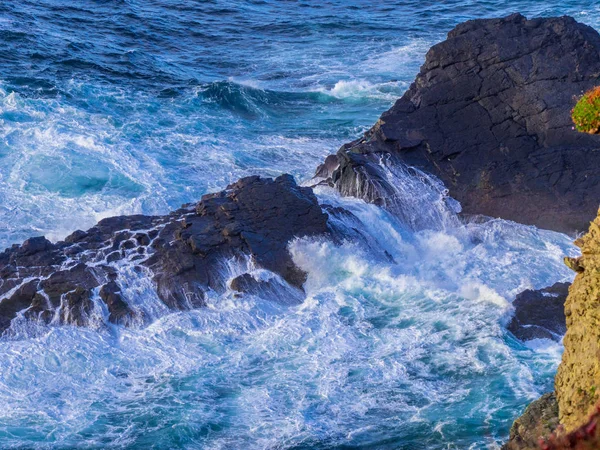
(137,107)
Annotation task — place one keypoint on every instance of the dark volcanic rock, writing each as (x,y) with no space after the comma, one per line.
(540,314)
(182,252)
(489,114)
(254,216)
(118,311)
(329,166)
(272,289)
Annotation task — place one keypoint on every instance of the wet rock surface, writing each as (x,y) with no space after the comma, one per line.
(489,114)
(183,252)
(254,216)
(540,314)
(272,288)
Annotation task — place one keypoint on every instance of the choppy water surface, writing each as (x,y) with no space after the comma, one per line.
(138,106)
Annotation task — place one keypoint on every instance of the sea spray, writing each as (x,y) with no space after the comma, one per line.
(378,352)
(399,342)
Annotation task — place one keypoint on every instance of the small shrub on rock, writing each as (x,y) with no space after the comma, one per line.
(586,113)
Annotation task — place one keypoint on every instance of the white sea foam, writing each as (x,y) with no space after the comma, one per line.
(357,89)
(400,341)
(413,342)
(63,167)
(396,59)
(406,326)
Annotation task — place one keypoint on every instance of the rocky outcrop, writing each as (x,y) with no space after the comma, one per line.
(489,114)
(538,421)
(540,314)
(577,380)
(254,216)
(183,252)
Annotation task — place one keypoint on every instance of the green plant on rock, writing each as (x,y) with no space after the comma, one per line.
(586,113)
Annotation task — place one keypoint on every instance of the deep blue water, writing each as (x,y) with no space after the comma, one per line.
(118,107)
(138,106)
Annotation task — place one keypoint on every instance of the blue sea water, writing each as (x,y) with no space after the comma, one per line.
(137,106)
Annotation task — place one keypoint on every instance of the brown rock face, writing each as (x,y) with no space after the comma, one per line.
(539,420)
(577,381)
(489,115)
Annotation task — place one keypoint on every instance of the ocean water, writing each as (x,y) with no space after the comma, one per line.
(130,106)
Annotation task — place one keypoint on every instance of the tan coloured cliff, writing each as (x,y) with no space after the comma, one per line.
(577,382)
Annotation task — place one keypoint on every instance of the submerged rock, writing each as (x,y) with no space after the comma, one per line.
(540,314)
(539,420)
(183,253)
(489,114)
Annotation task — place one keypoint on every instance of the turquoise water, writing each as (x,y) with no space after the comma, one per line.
(122,107)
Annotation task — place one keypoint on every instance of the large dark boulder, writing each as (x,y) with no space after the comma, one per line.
(540,314)
(183,253)
(489,115)
(253,216)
